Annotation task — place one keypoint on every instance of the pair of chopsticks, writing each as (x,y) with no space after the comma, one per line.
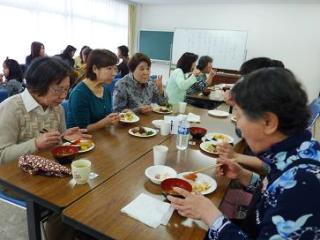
(208,167)
(44,130)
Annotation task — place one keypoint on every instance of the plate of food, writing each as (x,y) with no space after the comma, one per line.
(162,109)
(142,132)
(129,117)
(84,145)
(209,147)
(201,183)
(218,113)
(218,137)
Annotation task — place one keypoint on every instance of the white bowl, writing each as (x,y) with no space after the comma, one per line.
(164,172)
(157,123)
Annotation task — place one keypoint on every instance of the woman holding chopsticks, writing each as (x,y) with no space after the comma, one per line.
(272,114)
(23,116)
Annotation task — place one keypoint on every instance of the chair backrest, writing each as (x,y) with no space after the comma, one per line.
(314,108)
(3,95)
(65,105)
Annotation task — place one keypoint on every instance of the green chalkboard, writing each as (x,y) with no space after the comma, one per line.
(156,44)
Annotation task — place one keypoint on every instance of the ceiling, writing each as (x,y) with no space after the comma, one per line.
(222,1)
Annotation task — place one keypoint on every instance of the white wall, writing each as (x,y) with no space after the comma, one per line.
(288,32)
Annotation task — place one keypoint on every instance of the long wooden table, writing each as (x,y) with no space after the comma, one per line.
(98,213)
(115,151)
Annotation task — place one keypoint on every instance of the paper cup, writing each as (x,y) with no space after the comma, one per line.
(160,154)
(164,128)
(80,170)
(182,107)
(175,108)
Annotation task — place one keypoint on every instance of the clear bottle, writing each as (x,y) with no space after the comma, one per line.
(183,135)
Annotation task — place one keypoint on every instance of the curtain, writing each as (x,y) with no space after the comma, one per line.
(132,19)
(58,23)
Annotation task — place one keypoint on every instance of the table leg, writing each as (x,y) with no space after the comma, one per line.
(34,217)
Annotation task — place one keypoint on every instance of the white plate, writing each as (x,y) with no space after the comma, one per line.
(143,136)
(163,171)
(210,136)
(201,179)
(218,113)
(81,151)
(204,146)
(157,123)
(233,119)
(134,119)
(157,110)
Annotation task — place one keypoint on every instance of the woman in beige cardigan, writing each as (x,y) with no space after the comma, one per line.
(23,116)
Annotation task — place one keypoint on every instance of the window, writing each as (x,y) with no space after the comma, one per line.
(96,23)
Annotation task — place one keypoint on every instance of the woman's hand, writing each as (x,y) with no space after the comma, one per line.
(196,72)
(145,109)
(112,118)
(226,150)
(194,206)
(159,84)
(210,77)
(228,98)
(76,133)
(228,168)
(48,140)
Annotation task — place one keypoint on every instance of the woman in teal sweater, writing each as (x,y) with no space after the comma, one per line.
(178,83)
(90,102)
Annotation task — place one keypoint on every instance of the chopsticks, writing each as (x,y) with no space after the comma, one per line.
(44,130)
(208,167)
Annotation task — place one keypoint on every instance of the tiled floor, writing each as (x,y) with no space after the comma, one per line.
(13,223)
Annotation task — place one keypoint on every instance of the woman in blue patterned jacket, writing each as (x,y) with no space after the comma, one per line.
(272,115)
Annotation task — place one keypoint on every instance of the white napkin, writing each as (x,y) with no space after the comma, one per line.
(149,210)
(193,118)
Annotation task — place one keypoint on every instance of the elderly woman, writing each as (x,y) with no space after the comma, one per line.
(90,102)
(23,116)
(135,91)
(272,114)
(203,81)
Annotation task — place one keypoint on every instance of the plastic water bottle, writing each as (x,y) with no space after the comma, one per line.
(183,135)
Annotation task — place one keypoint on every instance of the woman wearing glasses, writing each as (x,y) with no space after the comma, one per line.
(90,103)
(23,116)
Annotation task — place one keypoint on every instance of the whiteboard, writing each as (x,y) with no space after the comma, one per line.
(227,48)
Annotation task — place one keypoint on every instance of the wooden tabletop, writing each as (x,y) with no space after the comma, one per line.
(104,220)
(98,213)
(115,149)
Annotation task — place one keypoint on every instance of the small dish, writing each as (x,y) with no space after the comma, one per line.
(158,173)
(83,145)
(143,132)
(218,137)
(157,123)
(168,185)
(197,132)
(209,147)
(129,117)
(65,154)
(203,181)
(218,113)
